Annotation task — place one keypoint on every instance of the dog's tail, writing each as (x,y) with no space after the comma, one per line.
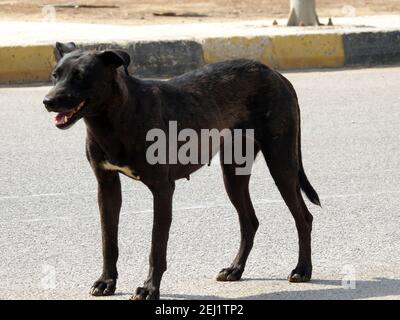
(305,185)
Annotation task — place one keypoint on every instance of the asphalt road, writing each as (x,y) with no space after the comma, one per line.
(49,225)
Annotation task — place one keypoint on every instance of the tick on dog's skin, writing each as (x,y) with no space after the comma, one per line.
(119,110)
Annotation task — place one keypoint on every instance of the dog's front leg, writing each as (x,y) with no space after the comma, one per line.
(162,202)
(109,199)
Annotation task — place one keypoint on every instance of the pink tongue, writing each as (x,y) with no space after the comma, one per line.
(60,117)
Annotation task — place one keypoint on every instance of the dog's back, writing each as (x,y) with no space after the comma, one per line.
(229,94)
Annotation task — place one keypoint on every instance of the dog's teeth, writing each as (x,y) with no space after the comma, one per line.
(65,119)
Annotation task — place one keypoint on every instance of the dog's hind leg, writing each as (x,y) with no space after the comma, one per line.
(283,160)
(237,187)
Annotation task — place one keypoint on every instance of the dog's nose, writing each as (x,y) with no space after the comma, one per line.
(48,102)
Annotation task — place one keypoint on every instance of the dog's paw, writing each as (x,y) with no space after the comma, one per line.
(103,287)
(230,274)
(146,294)
(300,274)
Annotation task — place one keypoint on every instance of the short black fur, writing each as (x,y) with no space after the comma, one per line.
(119,110)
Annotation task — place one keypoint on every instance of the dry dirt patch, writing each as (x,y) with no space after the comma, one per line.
(142,11)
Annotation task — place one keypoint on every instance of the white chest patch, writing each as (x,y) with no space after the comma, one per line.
(125,170)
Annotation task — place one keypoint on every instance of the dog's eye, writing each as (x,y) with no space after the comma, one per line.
(54,76)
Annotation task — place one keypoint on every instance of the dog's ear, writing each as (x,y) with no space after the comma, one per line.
(63,48)
(115,58)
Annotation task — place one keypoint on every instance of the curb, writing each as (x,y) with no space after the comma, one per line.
(171,58)
(26,64)
(158,58)
(370,48)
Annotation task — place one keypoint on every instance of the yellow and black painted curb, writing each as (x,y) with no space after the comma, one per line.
(169,58)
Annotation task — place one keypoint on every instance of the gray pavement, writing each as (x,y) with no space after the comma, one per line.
(49,226)
(17,33)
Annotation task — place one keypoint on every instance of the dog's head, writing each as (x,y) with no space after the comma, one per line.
(82,81)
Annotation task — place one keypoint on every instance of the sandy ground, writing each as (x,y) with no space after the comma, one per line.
(141,11)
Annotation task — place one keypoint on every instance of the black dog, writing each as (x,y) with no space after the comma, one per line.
(119,110)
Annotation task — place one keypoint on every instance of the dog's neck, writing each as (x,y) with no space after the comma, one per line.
(113,126)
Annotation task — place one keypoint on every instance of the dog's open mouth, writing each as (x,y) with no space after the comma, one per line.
(64,118)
